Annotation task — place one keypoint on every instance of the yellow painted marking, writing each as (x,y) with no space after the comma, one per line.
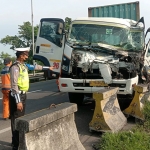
(107,114)
(54,60)
(98,83)
(46,45)
(136,106)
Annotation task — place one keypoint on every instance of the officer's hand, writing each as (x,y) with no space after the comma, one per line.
(52,68)
(19,106)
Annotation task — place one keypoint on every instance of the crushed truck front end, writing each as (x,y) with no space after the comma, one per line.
(101,53)
(83,85)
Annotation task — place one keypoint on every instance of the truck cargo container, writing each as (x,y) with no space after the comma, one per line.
(124,10)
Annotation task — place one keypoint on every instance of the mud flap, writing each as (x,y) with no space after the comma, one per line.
(107,114)
(136,105)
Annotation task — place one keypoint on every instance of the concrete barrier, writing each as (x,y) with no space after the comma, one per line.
(49,129)
(107,115)
(137,103)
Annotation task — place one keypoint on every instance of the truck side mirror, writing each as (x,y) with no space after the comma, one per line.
(148,30)
(141,21)
(59,29)
(59,34)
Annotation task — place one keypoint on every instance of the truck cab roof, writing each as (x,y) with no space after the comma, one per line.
(127,22)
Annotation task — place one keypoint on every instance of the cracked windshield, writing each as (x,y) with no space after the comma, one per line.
(107,35)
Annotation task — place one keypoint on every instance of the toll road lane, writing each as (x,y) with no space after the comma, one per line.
(41,95)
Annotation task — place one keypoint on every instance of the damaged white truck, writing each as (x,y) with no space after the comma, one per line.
(94,54)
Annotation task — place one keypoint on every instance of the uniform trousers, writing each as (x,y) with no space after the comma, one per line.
(5,103)
(14,113)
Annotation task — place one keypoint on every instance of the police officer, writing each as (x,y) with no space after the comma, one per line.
(19,87)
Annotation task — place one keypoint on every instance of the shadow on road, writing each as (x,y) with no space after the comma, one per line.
(82,118)
(5,145)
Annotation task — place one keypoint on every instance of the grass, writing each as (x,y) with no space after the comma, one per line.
(136,139)
(125,141)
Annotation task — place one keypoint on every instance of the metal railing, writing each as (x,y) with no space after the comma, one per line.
(38,76)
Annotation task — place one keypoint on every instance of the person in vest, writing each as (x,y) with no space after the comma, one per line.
(19,87)
(5,78)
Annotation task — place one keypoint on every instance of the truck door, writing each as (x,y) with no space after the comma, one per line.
(147,58)
(50,43)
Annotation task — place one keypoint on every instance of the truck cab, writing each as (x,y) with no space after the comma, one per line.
(96,53)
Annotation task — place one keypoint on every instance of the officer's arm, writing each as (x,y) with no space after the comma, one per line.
(38,67)
(30,67)
(14,74)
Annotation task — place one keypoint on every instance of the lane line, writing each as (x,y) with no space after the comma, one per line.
(34,91)
(5,130)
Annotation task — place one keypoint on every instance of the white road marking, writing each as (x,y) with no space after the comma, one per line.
(34,91)
(5,130)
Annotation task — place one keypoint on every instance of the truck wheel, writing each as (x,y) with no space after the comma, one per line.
(76,98)
(47,75)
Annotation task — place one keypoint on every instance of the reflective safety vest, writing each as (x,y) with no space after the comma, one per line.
(5,77)
(23,79)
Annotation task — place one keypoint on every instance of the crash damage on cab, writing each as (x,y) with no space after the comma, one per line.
(106,52)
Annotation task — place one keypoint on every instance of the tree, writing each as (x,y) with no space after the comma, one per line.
(2,57)
(67,23)
(24,38)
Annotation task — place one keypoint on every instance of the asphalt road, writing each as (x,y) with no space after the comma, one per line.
(41,95)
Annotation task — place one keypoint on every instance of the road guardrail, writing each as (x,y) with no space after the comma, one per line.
(38,77)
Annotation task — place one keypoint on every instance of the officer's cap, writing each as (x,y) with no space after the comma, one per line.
(22,49)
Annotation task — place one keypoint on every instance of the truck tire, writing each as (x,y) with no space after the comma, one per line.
(76,98)
(48,75)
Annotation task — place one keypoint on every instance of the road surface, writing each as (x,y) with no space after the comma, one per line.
(41,95)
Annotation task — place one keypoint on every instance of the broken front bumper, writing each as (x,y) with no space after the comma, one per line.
(84,86)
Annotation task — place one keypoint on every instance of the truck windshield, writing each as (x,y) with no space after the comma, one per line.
(124,38)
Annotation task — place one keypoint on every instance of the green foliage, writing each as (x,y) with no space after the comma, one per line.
(67,23)
(23,39)
(2,57)
(146,110)
(125,141)
(136,139)
(145,125)
(14,41)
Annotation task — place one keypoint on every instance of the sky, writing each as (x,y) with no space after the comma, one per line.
(15,12)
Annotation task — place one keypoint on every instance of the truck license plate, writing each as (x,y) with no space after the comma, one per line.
(98,83)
